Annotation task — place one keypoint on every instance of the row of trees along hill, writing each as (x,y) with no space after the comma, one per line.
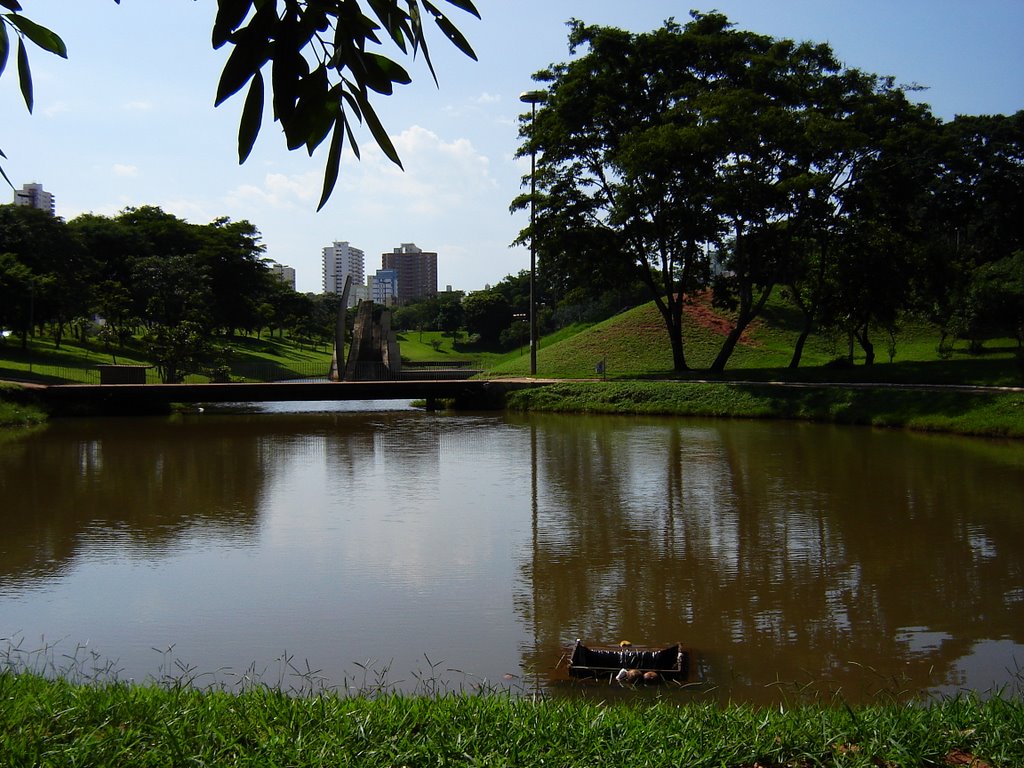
(700,157)
(146,272)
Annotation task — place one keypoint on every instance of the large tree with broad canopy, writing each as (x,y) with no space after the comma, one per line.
(698,155)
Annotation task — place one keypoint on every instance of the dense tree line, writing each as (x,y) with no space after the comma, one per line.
(146,273)
(700,157)
(493,318)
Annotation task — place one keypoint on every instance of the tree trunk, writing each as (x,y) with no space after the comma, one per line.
(798,348)
(749,309)
(672,313)
(727,347)
(678,352)
(865,343)
(808,310)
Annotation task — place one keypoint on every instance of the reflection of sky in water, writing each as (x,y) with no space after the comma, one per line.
(313,406)
(990,664)
(981,543)
(354,532)
(921,640)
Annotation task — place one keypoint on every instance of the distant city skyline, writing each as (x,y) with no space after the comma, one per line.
(104,136)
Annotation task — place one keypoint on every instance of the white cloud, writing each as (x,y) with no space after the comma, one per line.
(137,106)
(193,211)
(488,98)
(56,108)
(126,171)
(279,191)
(440,179)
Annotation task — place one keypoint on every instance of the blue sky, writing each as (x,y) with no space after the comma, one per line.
(129,120)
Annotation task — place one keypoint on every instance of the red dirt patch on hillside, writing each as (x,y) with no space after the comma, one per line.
(699,311)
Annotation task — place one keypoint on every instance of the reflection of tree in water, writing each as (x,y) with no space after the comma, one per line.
(409,457)
(146,483)
(778,551)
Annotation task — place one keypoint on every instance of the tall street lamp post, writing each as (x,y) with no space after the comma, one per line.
(533,98)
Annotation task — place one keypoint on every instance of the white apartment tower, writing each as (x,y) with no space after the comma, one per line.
(34,196)
(283,273)
(340,260)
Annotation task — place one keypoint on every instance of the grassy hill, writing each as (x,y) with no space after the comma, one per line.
(634,344)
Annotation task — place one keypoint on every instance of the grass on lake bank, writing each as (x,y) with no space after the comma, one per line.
(985,413)
(17,408)
(59,723)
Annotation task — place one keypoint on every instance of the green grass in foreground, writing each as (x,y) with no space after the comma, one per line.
(57,723)
(17,409)
(988,413)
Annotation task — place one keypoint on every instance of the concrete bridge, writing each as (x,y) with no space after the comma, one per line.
(133,398)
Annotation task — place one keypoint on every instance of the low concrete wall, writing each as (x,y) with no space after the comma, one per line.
(122,374)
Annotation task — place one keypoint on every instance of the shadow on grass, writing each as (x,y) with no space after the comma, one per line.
(995,370)
(882,407)
(35,377)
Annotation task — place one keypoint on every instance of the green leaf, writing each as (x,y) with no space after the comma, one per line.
(230,14)
(11,5)
(450,30)
(39,35)
(333,160)
(243,63)
(25,75)
(316,109)
(352,140)
(392,71)
(377,129)
(465,5)
(289,72)
(395,20)
(2,170)
(5,46)
(252,118)
(456,37)
(320,125)
(253,48)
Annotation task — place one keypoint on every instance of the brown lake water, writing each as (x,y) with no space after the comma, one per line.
(398,546)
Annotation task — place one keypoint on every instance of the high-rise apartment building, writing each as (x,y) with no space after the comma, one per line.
(416,270)
(34,196)
(384,285)
(283,273)
(341,260)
